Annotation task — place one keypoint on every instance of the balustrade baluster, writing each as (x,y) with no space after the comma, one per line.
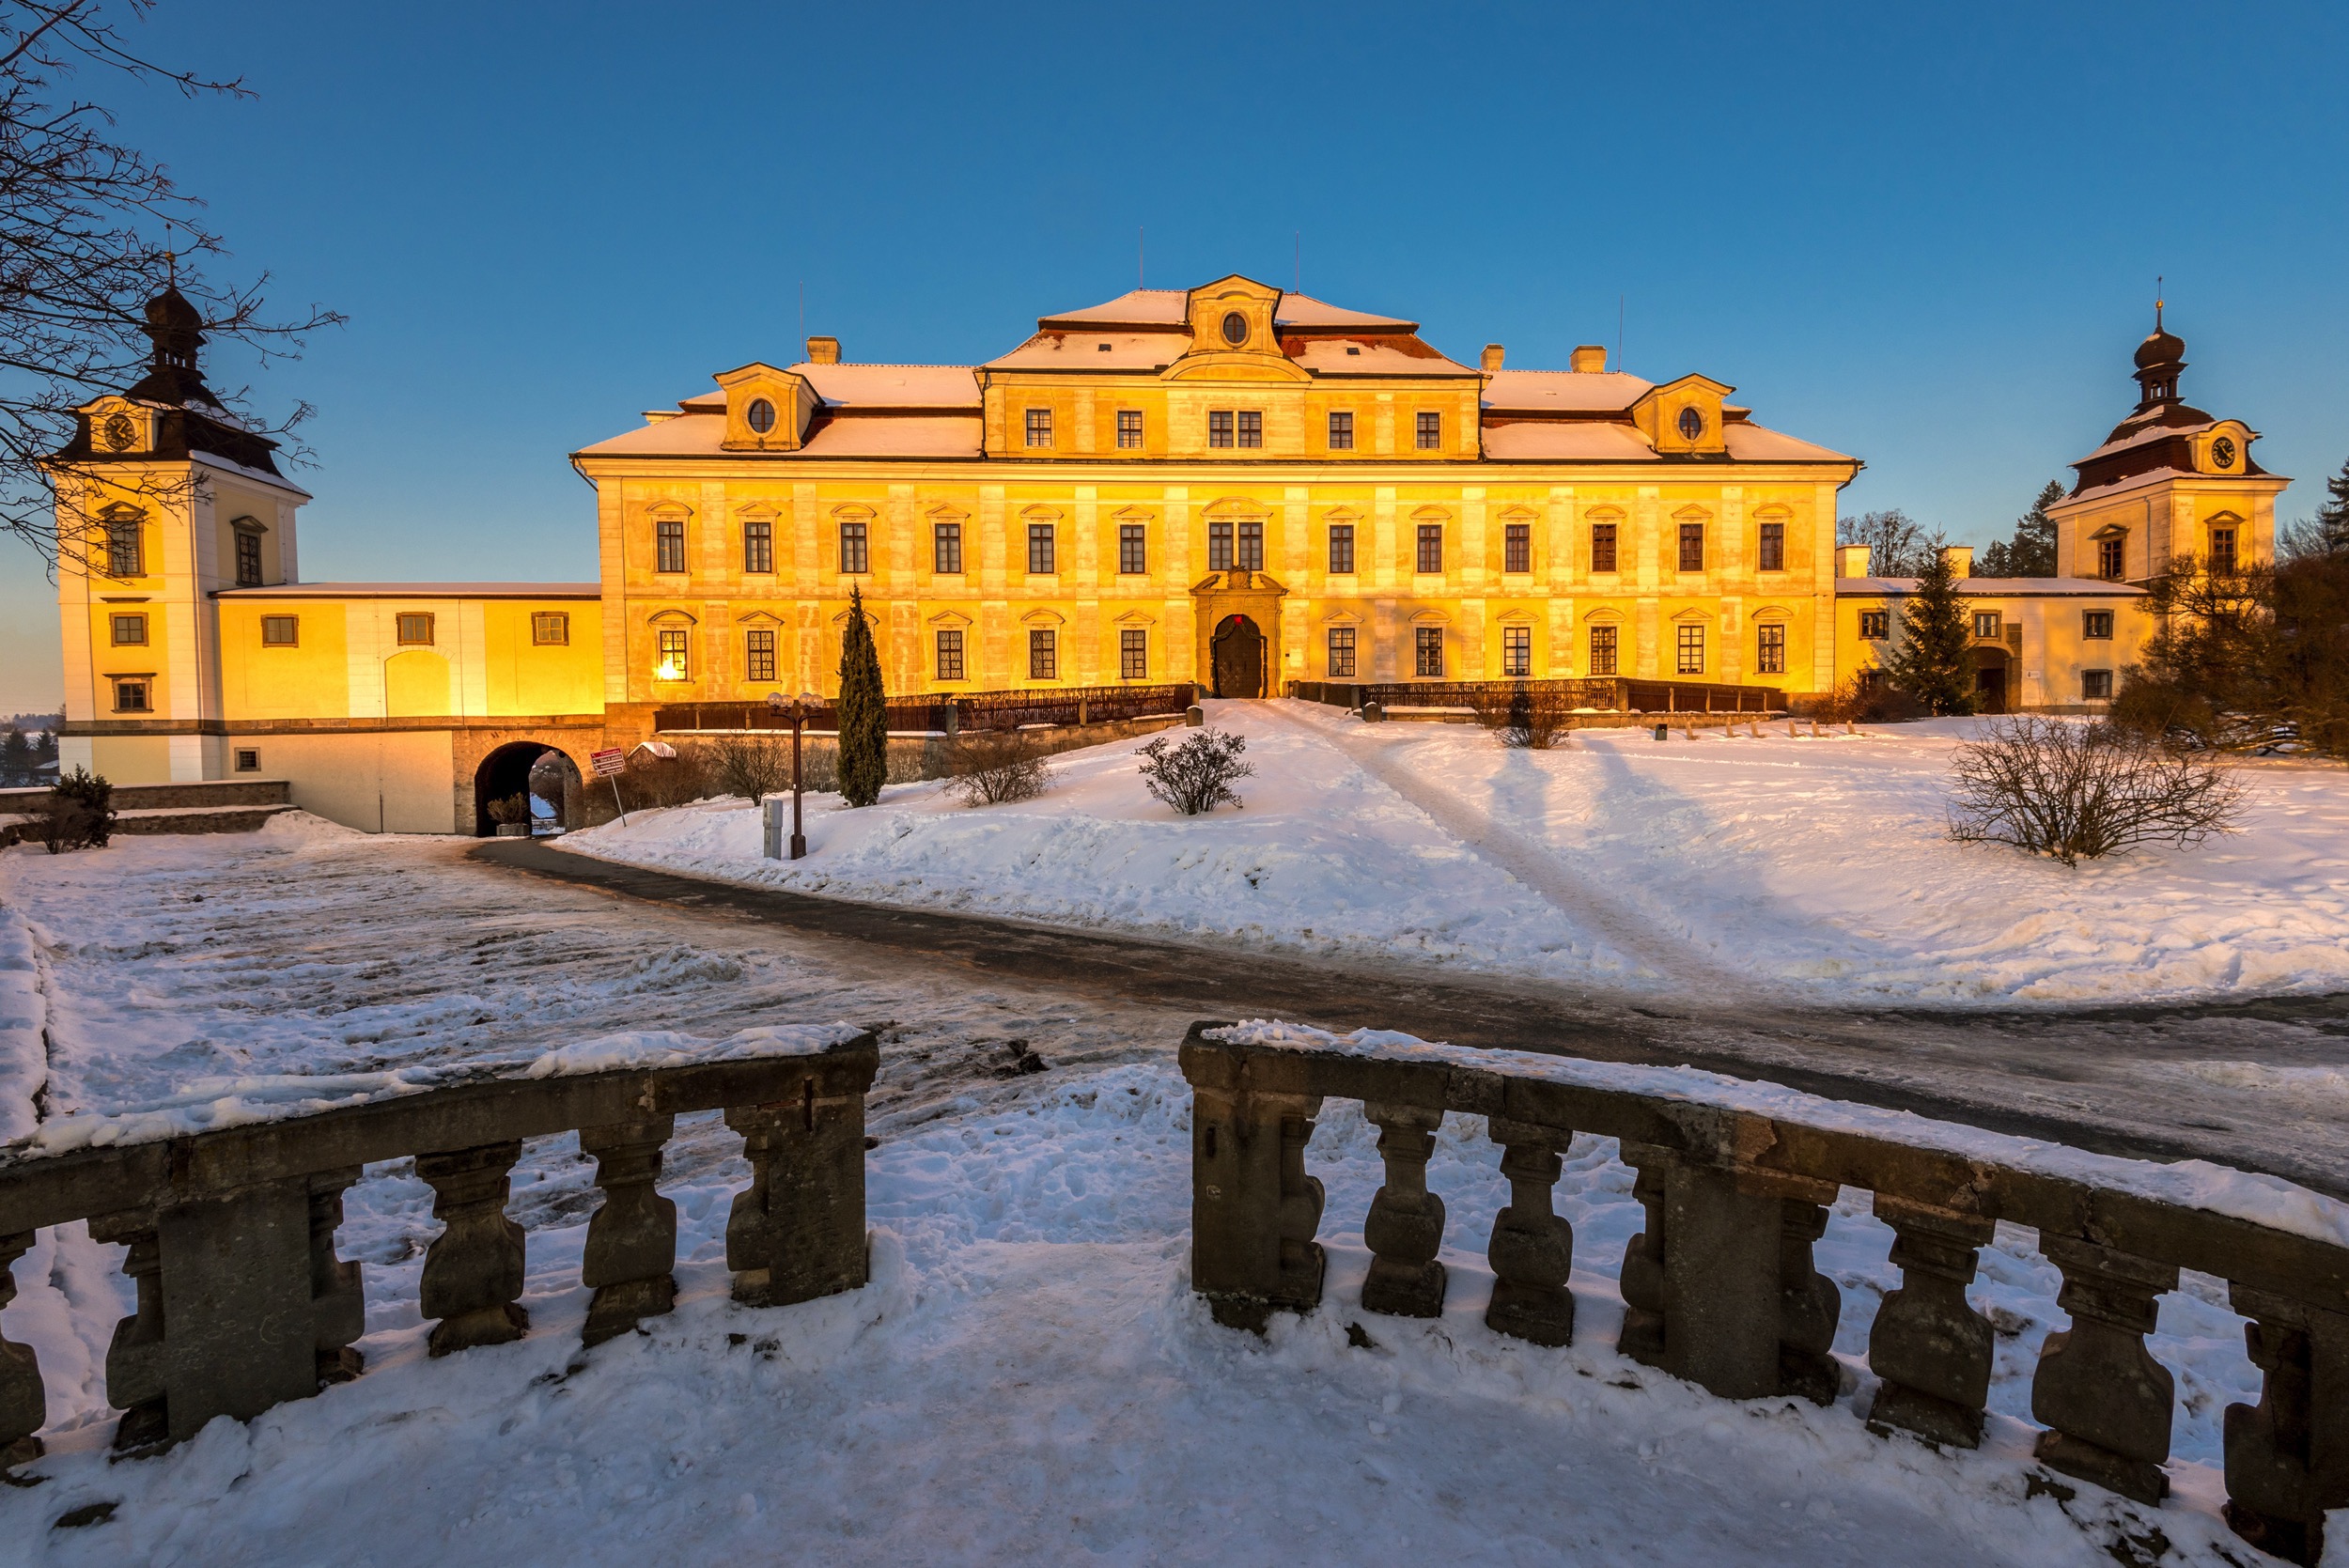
(632,1241)
(472,1272)
(1255,1211)
(24,1402)
(2105,1398)
(1809,1304)
(1931,1349)
(1643,1280)
(337,1294)
(1405,1229)
(1531,1251)
(1302,1261)
(2288,1456)
(798,1230)
(134,1359)
(1722,1300)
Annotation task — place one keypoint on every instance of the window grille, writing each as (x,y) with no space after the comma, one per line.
(668,544)
(248,760)
(1219,547)
(1133,655)
(1692,546)
(1692,643)
(1250,556)
(1040,549)
(1429,643)
(133,696)
(1516,650)
(1040,427)
(2096,623)
(1602,650)
(129,630)
(549,629)
(758,545)
(280,631)
(1875,625)
(126,550)
(759,655)
(946,549)
(248,560)
(2097,685)
(950,655)
(1341,432)
(1219,427)
(1251,428)
(1430,433)
(1771,656)
(1516,551)
(675,664)
(415,629)
(1341,548)
(1340,653)
(1043,655)
(1431,546)
(1773,551)
(1602,546)
(1133,551)
(1129,429)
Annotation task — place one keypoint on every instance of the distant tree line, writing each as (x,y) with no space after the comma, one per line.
(27,759)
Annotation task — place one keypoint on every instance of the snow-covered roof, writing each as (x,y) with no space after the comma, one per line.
(417,590)
(1995,587)
(2133,481)
(872,387)
(1564,391)
(842,435)
(1308,314)
(1577,441)
(1094,350)
(1169,307)
(1384,356)
(2145,434)
(1749,442)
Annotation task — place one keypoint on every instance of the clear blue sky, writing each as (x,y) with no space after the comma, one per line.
(1927,236)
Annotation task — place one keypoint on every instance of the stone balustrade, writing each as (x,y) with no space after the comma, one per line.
(1719,1287)
(243,1303)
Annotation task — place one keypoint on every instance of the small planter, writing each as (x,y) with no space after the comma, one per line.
(513,830)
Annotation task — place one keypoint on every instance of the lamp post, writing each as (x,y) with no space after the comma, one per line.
(798,705)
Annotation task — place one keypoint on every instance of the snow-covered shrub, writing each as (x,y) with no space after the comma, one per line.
(2077,791)
(79,812)
(989,766)
(1197,775)
(751,765)
(1536,716)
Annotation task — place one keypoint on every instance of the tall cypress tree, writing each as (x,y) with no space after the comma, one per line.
(864,721)
(1929,659)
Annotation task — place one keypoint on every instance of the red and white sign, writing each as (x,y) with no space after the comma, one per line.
(608,763)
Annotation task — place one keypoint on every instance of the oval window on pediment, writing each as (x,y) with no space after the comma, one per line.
(1692,423)
(1235,328)
(760,415)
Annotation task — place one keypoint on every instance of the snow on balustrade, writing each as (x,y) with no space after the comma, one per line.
(1719,1287)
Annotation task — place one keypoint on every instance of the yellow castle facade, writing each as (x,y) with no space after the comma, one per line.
(1230,485)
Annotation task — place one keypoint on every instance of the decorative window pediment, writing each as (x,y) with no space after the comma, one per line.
(944,513)
(1519,514)
(1040,514)
(1431,514)
(950,618)
(1517,617)
(1602,617)
(1134,514)
(853,511)
(1237,506)
(1430,617)
(1136,617)
(1341,617)
(673,618)
(1772,612)
(1693,616)
(1043,617)
(1340,514)
(255,525)
(758,617)
(1692,514)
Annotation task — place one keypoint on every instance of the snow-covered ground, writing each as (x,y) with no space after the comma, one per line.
(1798,868)
(1026,1378)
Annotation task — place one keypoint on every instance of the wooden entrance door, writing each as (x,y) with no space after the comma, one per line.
(1238,650)
(1990,688)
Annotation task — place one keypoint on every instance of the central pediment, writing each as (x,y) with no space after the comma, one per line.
(1233,336)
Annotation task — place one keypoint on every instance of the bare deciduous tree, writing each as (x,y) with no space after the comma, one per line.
(753,765)
(1534,717)
(2078,791)
(92,231)
(990,766)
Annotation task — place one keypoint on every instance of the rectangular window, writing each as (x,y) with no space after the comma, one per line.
(1043,655)
(414,628)
(1340,653)
(2109,563)
(2095,623)
(1129,429)
(1249,556)
(946,549)
(129,632)
(549,629)
(668,535)
(132,694)
(2097,685)
(1516,650)
(1692,546)
(1341,548)
(1987,625)
(1251,428)
(1039,550)
(1692,643)
(1133,549)
(280,631)
(1875,625)
(2222,551)
(853,560)
(1430,433)
(1602,546)
(1602,650)
(1219,547)
(1770,656)
(1040,427)
(759,654)
(248,761)
(1219,427)
(126,550)
(675,664)
(1431,546)
(1428,640)
(950,655)
(758,545)
(248,559)
(1516,549)
(1341,432)
(1133,655)
(1773,554)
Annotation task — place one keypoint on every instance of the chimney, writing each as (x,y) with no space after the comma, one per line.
(1961,559)
(1851,560)
(1590,358)
(1492,358)
(823,351)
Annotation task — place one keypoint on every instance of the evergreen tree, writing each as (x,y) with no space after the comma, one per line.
(1929,659)
(2032,550)
(863,720)
(16,758)
(2327,533)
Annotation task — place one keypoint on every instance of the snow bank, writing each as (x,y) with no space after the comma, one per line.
(667,1048)
(2196,1184)
(23,1017)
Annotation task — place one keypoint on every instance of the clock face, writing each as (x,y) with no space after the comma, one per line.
(1235,328)
(2222,452)
(117,433)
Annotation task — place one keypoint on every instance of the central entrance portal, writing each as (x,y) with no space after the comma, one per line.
(1238,657)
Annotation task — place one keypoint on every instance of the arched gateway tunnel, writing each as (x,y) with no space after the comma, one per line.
(545,777)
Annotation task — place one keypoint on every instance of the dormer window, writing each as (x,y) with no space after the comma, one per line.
(1691,423)
(1040,427)
(1430,433)
(760,415)
(1235,328)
